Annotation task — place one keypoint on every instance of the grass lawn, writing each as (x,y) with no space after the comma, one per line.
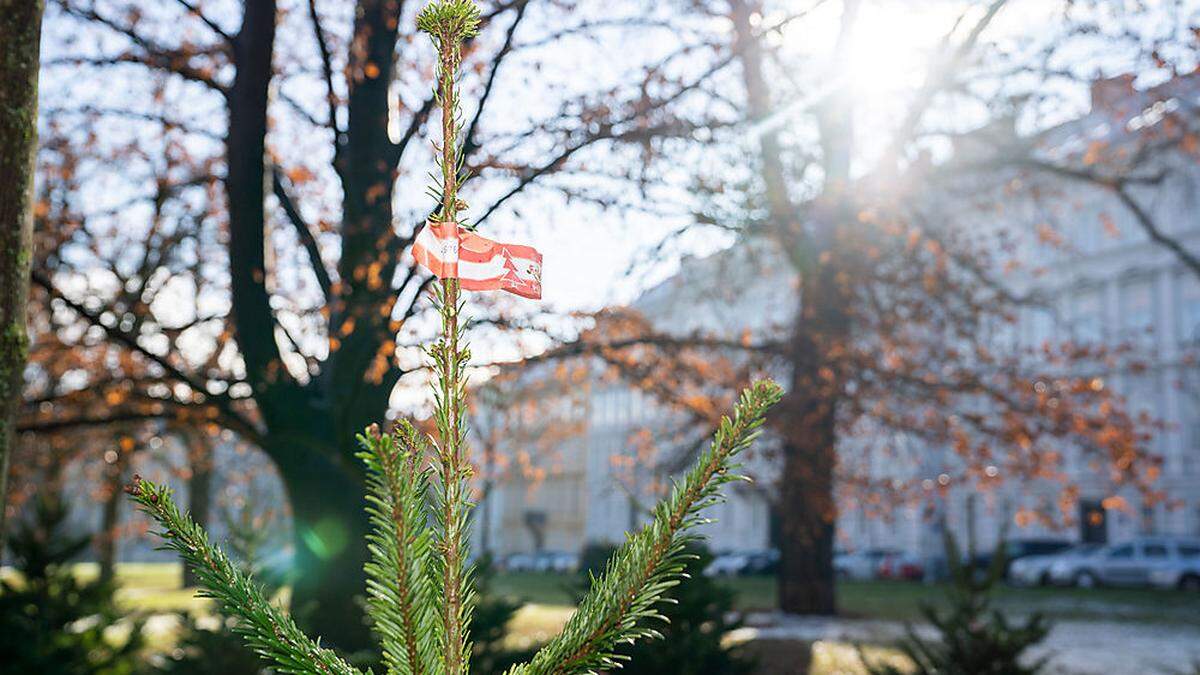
(156,588)
(899,600)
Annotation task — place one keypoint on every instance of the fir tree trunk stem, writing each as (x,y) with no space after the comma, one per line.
(453,476)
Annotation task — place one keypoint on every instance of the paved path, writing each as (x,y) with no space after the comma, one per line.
(1075,647)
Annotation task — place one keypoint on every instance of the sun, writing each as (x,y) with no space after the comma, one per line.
(893,48)
(893,45)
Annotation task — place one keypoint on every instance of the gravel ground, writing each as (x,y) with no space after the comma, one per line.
(1075,647)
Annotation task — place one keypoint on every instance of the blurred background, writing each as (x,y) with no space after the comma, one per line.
(963,234)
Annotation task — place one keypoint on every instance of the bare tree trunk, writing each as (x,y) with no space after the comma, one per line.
(310,429)
(315,461)
(200,464)
(805,510)
(20,44)
(806,546)
(806,505)
(114,496)
(806,502)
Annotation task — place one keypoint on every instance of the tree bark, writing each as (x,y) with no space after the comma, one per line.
(302,425)
(200,464)
(330,527)
(245,147)
(20,44)
(310,430)
(806,513)
(110,520)
(806,583)
(808,510)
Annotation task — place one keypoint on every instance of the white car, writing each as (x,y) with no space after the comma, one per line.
(519,562)
(1161,562)
(564,563)
(727,565)
(1182,571)
(861,565)
(1051,569)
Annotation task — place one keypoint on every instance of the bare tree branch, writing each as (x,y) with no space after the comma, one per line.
(1152,230)
(212,25)
(65,423)
(165,63)
(326,71)
(155,54)
(223,401)
(938,78)
(471,144)
(307,239)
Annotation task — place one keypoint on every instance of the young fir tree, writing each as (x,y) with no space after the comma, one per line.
(973,638)
(53,622)
(420,595)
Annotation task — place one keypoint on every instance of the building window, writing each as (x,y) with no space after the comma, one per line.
(1145,398)
(1088,316)
(1189,454)
(1137,311)
(1149,520)
(1086,235)
(1039,326)
(1189,309)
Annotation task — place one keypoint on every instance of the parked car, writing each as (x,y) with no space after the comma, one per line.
(543,561)
(727,564)
(559,562)
(862,564)
(1065,566)
(1183,570)
(519,562)
(1039,570)
(565,563)
(1163,562)
(901,566)
(762,562)
(1015,549)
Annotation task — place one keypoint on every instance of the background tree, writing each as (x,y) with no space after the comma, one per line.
(53,622)
(20,33)
(901,275)
(1146,99)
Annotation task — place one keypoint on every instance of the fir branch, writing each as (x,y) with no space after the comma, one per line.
(401,602)
(620,602)
(267,629)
